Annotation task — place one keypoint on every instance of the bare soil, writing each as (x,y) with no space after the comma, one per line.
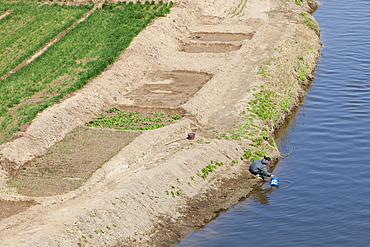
(9,208)
(168,89)
(70,162)
(90,187)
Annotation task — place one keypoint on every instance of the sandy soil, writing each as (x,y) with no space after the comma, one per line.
(203,58)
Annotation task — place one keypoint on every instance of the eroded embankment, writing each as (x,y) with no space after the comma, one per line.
(150,194)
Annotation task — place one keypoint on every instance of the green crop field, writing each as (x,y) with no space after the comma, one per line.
(26,30)
(80,55)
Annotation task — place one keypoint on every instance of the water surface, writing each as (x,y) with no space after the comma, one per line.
(326,199)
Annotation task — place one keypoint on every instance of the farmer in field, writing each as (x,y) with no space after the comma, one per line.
(258,167)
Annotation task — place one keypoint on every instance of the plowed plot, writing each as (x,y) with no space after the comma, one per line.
(209,48)
(70,162)
(9,208)
(225,37)
(169,89)
(208,42)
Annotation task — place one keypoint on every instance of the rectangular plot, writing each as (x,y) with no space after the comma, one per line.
(169,88)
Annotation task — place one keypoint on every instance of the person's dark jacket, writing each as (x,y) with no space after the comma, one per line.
(259,167)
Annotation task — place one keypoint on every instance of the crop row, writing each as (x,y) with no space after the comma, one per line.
(80,55)
(29,27)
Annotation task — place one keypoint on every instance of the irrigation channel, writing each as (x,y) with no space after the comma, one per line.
(328,200)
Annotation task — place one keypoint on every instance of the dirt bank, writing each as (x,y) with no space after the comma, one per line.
(207,58)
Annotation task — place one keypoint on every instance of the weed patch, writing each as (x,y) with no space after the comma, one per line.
(209,168)
(174,191)
(237,11)
(309,22)
(251,156)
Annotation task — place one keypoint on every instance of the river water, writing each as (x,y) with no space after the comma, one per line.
(324,197)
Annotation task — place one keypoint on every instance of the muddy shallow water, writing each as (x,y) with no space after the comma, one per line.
(325,201)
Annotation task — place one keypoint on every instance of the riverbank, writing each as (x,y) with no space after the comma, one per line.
(149,193)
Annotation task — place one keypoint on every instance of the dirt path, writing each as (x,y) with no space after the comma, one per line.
(202,58)
(5,14)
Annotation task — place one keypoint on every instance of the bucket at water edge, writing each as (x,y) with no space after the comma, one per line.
(274,181)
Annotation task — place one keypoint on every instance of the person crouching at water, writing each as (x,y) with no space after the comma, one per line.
(258,167)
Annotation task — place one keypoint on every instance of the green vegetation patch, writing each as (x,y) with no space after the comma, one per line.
(132,120)
(28,27)
(211,167)
(309,22)
(238,10)
(174,191)
(263,105)
(80,55)
(253,155)
(255,135)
